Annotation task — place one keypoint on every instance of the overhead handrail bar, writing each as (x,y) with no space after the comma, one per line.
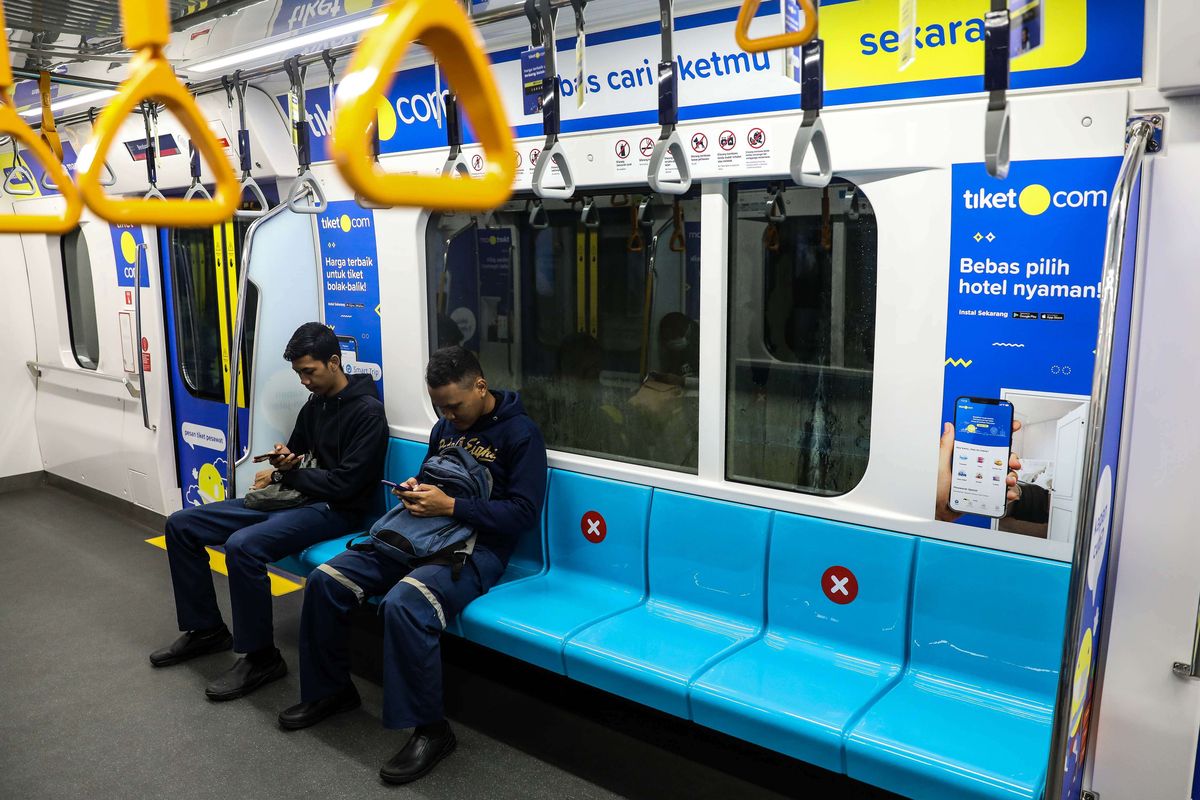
(1138,138)
(668,142)
(109,178)
(542,19)
(781,41)
(147,30)
(589,215)
(445,29)
(306,184)
(140,261)
(996,26)
(197,188)
(245,158)
(18,130)
(539,219)
(811,133)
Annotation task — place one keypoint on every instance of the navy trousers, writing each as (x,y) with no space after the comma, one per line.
(416,607)
(252,540)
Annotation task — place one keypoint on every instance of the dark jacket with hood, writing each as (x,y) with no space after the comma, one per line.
(348,433)
(510,445)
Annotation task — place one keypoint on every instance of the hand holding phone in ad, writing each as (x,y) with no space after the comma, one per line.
(977,471)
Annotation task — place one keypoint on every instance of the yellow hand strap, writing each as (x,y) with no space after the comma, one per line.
(779,41)
(49,132)
(444,28)
(12,125)
(147,30)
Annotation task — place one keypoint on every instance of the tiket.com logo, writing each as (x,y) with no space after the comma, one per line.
(1035,199)
(345,223)
(306,13)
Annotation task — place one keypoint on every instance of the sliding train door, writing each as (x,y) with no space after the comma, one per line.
(201,276)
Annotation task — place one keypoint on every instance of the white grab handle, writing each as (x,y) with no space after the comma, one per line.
(556,155)
(673,146)
(812,135)
(307,184)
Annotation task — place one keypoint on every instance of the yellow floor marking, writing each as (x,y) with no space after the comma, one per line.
(216,559)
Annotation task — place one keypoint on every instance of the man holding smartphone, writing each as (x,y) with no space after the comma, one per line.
(343,425)
(418,603)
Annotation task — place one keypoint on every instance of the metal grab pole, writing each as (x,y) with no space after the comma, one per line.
(1139,134)
(141,261)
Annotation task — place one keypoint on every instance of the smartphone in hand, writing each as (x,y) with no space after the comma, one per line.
(983,429)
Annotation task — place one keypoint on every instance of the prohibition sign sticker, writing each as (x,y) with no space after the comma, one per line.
(839,585)
(593,527)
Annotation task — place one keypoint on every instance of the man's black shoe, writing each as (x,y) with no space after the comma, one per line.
(246,676)
(428,746)
(192,644)
(303,715)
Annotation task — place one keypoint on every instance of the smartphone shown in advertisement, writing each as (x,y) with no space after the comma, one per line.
(349,347)
(982,444)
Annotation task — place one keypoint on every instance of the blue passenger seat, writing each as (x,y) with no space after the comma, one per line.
(970,718)
(586,580)
(707,570)
(820,663)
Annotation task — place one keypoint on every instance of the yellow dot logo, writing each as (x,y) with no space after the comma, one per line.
(354,6)
(344,223)
(212,488)
(128,247)
(1083,671)
(1034,199)
(970,429)
(387,119)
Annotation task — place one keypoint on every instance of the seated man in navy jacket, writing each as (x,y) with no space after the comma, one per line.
(343,425)
(418,604)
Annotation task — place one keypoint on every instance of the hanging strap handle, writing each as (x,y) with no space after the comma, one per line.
(448,33)
(456,162)
(147,25)
(539,220)
(109,178)
(197,188)
(996,26)
(811,133)
(635,243)
(668,142)
(245,157)
(20,181)
(678,242)
(150,120)
(590,214)
(49,133)
(306,187)
(781,41)
(542,15)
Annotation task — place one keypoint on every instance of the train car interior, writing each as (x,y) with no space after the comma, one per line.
(625,398)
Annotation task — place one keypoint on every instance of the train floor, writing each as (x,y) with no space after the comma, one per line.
(84,599)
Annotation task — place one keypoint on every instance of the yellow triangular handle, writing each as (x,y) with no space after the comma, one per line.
(12,125)
(147,30)
(49,131)
(444,28)
(779,41)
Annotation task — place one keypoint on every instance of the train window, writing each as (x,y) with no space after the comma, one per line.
(801,337)
(594,319)
(81,300)
(205,273)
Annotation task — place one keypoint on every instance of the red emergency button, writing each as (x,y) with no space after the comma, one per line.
(593,527)
(839,585)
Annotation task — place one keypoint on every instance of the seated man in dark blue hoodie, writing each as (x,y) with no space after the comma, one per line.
(417,604)
(342,424)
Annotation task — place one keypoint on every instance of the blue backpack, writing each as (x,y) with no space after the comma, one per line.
(415,541)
